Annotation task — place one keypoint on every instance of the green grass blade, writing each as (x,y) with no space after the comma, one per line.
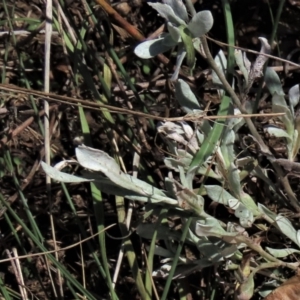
(185,230)
(212,139)
(36,241)
(148,277)
(98,210)
(128,248)
(83,231)
(10,167)
(99,214)
(3,290)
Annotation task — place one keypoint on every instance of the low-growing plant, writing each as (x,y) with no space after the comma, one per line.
(218,242)
(291,120)
(181,33)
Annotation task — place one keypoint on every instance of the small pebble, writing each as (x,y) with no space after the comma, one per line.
(123,8)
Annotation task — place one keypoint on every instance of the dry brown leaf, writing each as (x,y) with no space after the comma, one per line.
(122,32)
(290,290)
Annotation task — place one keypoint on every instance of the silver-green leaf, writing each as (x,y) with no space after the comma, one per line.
(273,82)
(201,23)
(178,8)
(280,253)
(185,96)
(61,176)
(149,49)
(168,13)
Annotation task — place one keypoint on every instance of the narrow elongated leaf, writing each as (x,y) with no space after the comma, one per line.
(287,228)
(198,46)
(219,194)
(247,62)
(227,147)
(234,180)
(201,23)
(239,59)
(273,82)
(210,227)
(221,62)
(266,211)
(280,253)
(248,201)
(61,176)
(279,105)
(181,53)
(107,186)
(174,32)
(294,95)
(185,96)
(110,188)
(98,160)
(187,40)
(296,138)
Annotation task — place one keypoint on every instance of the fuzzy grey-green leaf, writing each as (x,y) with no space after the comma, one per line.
(287,228)
(178,8)
(174,32)
(61,176)
(277,132)
(273,82)
(185,96)
(294,95)
(98,160)
(149,49)
(280,253)
(168,13)
(221,62)
(201,23)
(218,194)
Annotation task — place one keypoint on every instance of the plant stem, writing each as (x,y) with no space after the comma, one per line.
(190,7)
(257,248)
(256,136)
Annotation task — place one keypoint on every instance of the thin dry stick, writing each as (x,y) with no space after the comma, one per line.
(58,250)
(114,109)
(48,35)
(136,160)
(255,52)
(18,273)
(82,264)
